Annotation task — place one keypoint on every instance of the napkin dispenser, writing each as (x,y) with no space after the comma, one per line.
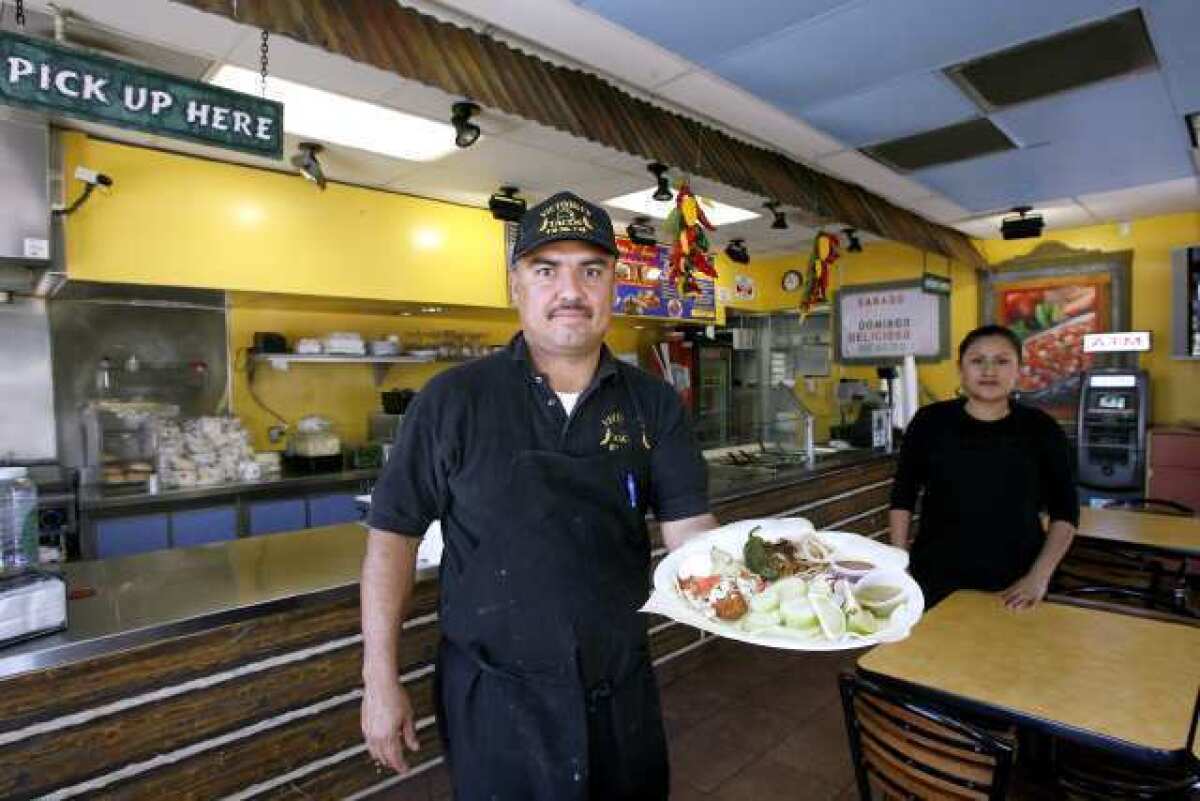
(32,604)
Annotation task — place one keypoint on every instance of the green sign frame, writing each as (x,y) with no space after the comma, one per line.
(935,284)
(45,76)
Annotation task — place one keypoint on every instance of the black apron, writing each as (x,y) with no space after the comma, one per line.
(544,683)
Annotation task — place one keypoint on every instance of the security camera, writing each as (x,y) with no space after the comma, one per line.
(92,177)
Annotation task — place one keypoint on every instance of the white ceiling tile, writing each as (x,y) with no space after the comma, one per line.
(561,143)
(313,66)
(1168,197)
(856,168)
(170,24)
(1058,214)
(937,208)
(579,34)
(703,92)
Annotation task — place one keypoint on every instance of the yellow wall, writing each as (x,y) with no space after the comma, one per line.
(878,262)
(346,393)
(184,221)
(1175,384)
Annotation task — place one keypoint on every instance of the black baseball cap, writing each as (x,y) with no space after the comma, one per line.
(562,217)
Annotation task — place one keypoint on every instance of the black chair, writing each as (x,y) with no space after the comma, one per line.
(1085,774)
(906,749)
(1159,582)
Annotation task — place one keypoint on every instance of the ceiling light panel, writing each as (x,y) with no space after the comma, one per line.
(641,202)
(316,114)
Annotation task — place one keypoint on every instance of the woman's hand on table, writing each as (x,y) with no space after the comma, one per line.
(388,724)
(1027,592)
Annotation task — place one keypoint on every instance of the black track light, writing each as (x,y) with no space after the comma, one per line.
(662,191)
(308,165)
(505,204)
(641,232)
(780,221)
(1021,224)
(853,245)
(737,252)
(466,133)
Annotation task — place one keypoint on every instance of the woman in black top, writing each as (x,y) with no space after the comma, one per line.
(989,469)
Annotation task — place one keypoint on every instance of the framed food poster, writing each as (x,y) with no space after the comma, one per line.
(1051,299)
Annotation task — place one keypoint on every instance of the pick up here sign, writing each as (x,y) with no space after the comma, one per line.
(47,77)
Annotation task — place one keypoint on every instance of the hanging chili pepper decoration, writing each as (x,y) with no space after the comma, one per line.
(820,263)
(686,226)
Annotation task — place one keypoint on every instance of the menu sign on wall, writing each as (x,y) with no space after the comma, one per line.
(47,77)
(881,322)
(641,291)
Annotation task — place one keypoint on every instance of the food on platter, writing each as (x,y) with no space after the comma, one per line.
(795,588)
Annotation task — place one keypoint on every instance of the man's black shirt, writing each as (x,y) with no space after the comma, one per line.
(464,428)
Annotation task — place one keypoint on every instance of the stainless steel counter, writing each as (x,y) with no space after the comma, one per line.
(146,598)
(96,498)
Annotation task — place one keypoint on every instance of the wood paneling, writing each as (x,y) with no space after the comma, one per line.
(413,45)
(86,750)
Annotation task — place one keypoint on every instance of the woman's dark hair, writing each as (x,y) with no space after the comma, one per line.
(984,331)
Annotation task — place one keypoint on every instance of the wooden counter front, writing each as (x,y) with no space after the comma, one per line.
(1095,674)
(267,705)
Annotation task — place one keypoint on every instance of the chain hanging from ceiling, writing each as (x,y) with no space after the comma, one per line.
(20,9)
(263,52)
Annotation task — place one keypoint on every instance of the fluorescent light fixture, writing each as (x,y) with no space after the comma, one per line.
(316,114)
(641,202)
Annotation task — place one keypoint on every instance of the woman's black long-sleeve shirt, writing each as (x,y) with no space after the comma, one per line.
(985,484)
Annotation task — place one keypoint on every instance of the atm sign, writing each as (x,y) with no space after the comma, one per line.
(1117,342)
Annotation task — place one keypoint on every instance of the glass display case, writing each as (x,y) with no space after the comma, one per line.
(771,352)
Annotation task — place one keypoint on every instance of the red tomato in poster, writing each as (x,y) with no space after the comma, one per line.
(1020,305)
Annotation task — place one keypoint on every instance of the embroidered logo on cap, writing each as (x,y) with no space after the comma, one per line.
(566,216)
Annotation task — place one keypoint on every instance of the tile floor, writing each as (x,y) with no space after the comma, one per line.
(742,723)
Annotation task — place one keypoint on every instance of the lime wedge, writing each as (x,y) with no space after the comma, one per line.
(798,613)
(863,622)
(829,616)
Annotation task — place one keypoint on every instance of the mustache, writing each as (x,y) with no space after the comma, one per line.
(580,307)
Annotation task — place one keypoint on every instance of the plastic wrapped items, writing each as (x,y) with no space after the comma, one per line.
(203,451)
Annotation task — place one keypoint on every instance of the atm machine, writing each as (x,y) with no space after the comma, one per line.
(1114,411)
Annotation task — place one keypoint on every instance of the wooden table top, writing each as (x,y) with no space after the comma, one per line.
(1168,532)
(1098,673)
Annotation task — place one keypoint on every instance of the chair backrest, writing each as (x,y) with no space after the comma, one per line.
(903,748)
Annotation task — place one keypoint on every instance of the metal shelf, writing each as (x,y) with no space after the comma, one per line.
(379,364)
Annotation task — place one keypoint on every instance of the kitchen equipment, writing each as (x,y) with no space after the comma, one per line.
(383,427)
(396,401)
(388,346)
(1114,412)
(346,343)
(120,440)
(269,342)
(296,465)
(18,521)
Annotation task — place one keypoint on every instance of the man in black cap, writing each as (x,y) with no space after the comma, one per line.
(541,463)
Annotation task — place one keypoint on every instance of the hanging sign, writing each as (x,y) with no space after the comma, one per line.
(935,284)
(882,322)
(1117,342)
(47,77)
